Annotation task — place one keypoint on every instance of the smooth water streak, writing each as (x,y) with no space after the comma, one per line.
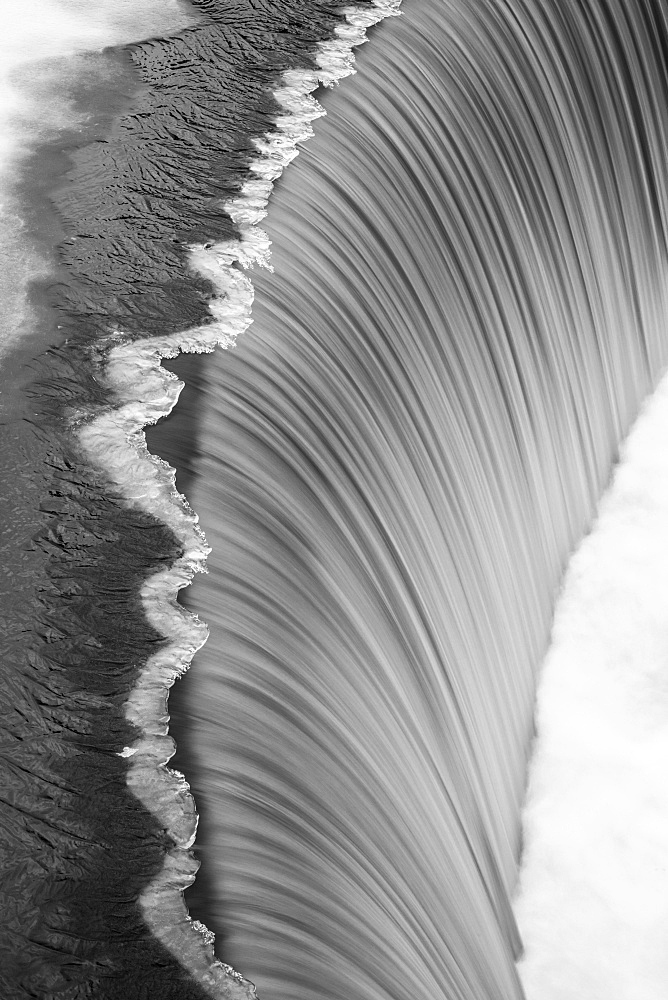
(466,307)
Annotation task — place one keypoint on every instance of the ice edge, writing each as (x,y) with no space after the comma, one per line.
(115,441)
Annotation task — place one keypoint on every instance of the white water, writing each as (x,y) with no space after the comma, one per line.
(35,35)
(592,904)
(37,42)
(593,898)
(116,442)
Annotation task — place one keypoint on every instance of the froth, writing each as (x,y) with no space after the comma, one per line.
(594,879)
(36,72)
(145,392)
(35,36)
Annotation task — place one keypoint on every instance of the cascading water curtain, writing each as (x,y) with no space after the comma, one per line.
(464,308)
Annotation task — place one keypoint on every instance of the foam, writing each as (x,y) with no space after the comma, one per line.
(115,441)
(38,38)
(592,902)
(36,43)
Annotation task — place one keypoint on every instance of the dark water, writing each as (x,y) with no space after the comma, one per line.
(466,307)
(164,140)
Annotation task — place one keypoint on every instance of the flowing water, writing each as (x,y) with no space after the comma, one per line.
(467,304)
(465,307)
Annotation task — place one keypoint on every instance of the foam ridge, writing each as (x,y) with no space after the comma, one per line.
(115,441)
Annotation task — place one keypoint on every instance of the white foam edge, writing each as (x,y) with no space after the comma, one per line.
(115,441)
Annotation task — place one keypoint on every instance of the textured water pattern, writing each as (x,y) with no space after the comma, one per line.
(85,852)
(466,306)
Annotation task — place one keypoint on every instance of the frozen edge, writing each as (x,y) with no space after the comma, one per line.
(115,441)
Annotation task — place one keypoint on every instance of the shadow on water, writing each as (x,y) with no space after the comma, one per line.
(174,438)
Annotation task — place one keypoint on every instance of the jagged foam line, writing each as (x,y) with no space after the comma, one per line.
(145,392)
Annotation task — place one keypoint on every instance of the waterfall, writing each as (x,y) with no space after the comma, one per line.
(429,351)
